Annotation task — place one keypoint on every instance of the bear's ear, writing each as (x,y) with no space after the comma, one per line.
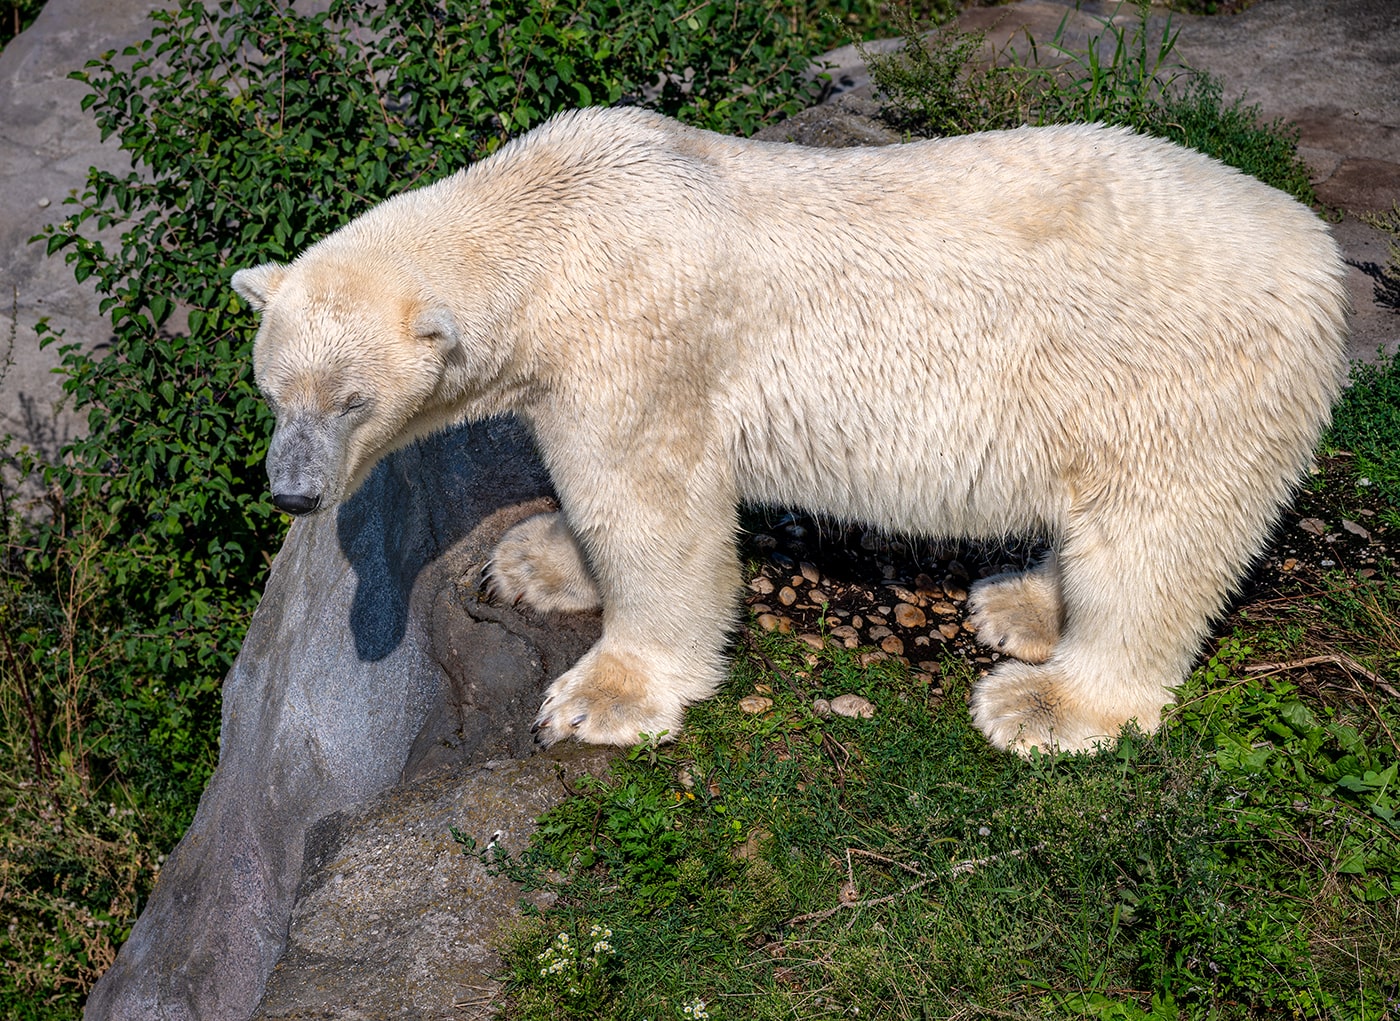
(435,325)
(256,286)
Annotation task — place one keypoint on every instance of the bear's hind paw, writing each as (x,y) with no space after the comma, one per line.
(1020,706)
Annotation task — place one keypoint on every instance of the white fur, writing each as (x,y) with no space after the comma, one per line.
(1077,331)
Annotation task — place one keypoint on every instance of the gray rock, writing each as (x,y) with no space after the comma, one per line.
(47,144)
(369,662)
(390,914)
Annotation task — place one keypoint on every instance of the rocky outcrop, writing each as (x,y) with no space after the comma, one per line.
(370,663)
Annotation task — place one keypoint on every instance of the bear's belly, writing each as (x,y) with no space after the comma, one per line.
(905,480)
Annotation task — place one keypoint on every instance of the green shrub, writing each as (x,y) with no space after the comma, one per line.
(254,131)
(16,16)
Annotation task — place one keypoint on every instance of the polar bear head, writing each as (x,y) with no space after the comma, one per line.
(353,357)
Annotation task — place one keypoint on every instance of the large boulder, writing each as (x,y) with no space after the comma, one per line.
(371,662)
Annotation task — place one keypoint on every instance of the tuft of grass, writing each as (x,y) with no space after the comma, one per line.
(1366,422)
(939,84)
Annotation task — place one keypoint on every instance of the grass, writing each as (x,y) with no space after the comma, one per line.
(1243,862)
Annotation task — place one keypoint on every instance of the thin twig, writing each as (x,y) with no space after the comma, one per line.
(962,868)
(1333,659)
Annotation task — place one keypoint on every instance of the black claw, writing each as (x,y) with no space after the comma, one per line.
(579,719)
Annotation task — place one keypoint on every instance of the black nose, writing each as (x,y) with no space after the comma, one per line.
(295,503)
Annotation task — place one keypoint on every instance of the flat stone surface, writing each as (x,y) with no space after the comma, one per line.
(47,144)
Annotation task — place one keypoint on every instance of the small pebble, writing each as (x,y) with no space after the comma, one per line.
(763,586)
(761,608)
(969,627)
(904,595)
(821,707)
(1316,526)
(948,631)
(857,621)
(908,615)
(810,572)
(754,704)
(844,631)
(944,609)
(893,645)
(787,596)
(44,203)
(1355,529)
(867,658)
(853,706)
(876,633)
(770,622)
(815,641)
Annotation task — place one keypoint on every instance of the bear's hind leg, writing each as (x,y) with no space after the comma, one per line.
(1138,591)
(1020,614)
(538,562)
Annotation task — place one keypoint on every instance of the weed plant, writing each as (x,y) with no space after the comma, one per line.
(1388,276)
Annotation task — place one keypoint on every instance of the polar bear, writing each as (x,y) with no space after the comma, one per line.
(1080,332)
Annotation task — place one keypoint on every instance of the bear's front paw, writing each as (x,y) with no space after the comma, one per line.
(1020,706)
(538,562)
(1017,614)
(607,699)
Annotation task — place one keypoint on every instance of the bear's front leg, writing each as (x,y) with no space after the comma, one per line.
(662,550)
